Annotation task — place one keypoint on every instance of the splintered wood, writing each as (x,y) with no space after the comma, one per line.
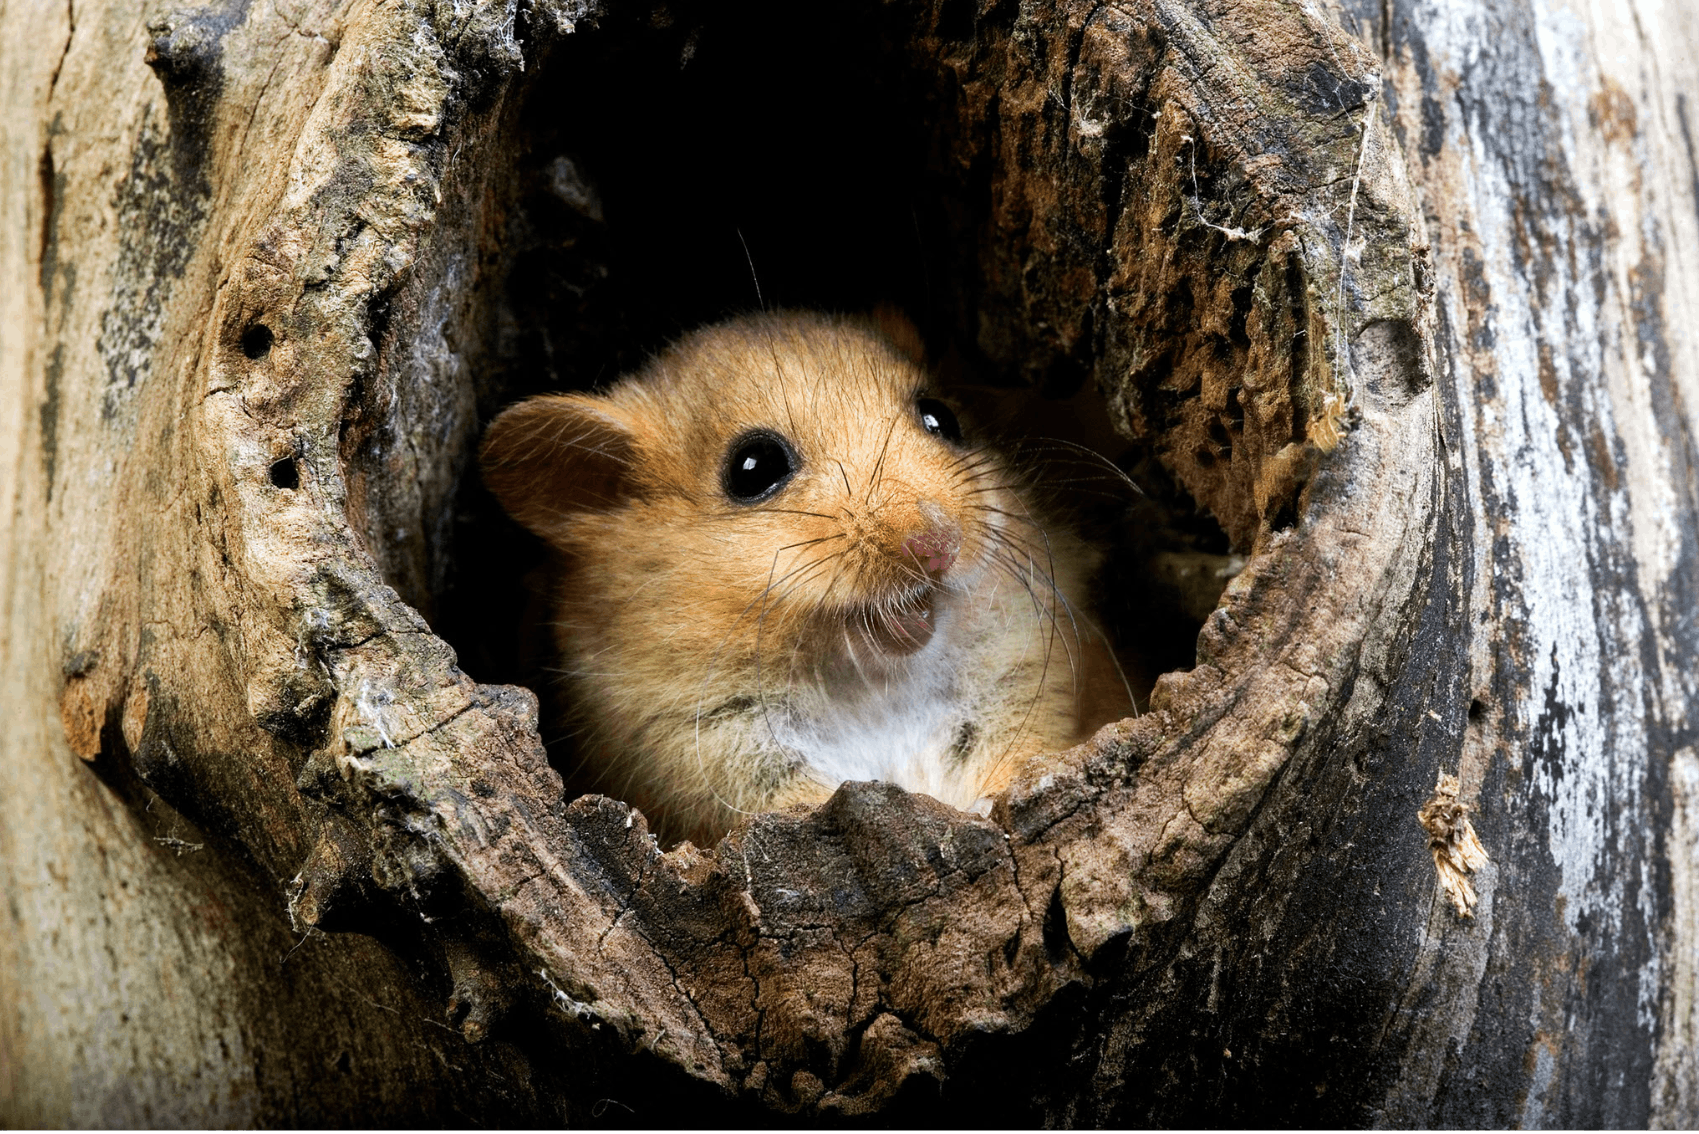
(1451,837)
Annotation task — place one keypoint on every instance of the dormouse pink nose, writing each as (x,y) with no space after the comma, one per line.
(935,549)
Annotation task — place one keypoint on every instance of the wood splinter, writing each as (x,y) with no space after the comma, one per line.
(1451,837)
(335,881)
(480,997)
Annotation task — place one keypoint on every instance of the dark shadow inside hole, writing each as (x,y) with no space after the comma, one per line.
(1285,518)
(285,475)
(256,341)
(694,162)
(1235,411)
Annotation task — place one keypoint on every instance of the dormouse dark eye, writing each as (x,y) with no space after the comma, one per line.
(756,465)
(938,419)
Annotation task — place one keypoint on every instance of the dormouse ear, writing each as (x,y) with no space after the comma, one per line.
(902,334)
(549,458)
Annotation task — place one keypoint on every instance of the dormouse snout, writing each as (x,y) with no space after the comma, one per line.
(933,550)
(935,545)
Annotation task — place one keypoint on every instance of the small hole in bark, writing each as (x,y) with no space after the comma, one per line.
(1284,518)
(377,320)
(1241,313)
(285,475)
(1218,434)
(256,341)
(1477,710)
(1056,940)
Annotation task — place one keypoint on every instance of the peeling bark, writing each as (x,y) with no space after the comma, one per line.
(1388,309)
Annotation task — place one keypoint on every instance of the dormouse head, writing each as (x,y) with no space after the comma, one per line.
(776,485)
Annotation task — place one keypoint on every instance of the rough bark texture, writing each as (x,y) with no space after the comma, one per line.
(1390,303)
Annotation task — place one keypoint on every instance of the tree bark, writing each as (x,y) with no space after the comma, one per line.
(1393,292)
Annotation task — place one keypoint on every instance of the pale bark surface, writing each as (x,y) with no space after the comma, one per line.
(1559,182)
(1401,306)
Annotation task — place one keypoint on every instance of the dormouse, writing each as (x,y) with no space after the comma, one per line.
(783,563)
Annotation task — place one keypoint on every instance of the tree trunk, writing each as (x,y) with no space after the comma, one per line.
(1392,293)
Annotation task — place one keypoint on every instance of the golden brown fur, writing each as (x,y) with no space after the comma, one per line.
(893,611)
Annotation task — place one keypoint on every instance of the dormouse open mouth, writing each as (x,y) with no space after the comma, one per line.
(900,628)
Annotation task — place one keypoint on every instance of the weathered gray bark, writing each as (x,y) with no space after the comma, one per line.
(1395,304)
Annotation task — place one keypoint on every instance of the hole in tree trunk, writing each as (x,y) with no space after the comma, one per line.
(765,157)
(771,156)
(256,341)
(562,226)
(285,475)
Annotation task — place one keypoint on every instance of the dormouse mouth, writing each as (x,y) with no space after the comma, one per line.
(901,628)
